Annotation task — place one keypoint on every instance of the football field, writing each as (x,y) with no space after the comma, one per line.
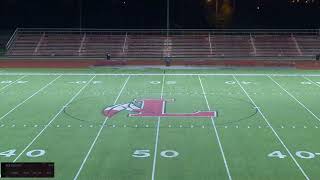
(153,124)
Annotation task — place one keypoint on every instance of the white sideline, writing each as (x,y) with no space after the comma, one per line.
(12,83)
(29,98)
(295,99)
(274,132)
(46,126)
(216,132)
(99,132)
(158,74)
(157,135)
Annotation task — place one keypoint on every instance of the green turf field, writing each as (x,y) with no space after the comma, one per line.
(267,126)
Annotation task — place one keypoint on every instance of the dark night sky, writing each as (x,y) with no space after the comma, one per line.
(152,14)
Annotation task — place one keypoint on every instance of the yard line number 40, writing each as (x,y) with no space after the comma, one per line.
(300,154)
(32,153)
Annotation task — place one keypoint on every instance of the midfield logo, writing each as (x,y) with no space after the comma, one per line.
(152,108)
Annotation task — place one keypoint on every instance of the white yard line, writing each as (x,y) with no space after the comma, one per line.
(274,132)
(12,83)
(216,132)
(157,135)
(29,98)
(47,125)
(99,132)
(155,74)
(295,99)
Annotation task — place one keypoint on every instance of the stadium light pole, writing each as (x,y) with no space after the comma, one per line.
(168,18)
(217,8)
(80,15)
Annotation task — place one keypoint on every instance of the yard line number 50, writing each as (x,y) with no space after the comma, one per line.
(144,153)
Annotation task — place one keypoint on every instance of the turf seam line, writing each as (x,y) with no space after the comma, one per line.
(157,134)
(13,82)
(216,132)
(24,101)
(295,99)
(157,74)
(47,125)
(98,134)
(272,129)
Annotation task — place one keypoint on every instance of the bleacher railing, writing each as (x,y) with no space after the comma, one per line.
(158,43)
(12,38)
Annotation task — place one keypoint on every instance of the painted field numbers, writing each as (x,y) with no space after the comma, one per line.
(242,82)
(277,154)
(308,82)
(145,153)
(84,82)
(8,153)
(35,153)
(169,154)
(305,155)
(9,82)
(32,153)
(299,154)
(167,82)
(141,153)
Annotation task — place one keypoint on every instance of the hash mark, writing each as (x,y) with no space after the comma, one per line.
(13,125)
(91,126)
(58,125)
(69,126)
(318,154)
(293,127)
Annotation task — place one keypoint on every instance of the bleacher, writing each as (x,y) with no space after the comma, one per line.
(158,44)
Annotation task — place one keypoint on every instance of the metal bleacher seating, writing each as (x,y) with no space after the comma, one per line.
(158,43)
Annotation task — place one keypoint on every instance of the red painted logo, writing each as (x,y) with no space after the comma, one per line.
(152,108)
